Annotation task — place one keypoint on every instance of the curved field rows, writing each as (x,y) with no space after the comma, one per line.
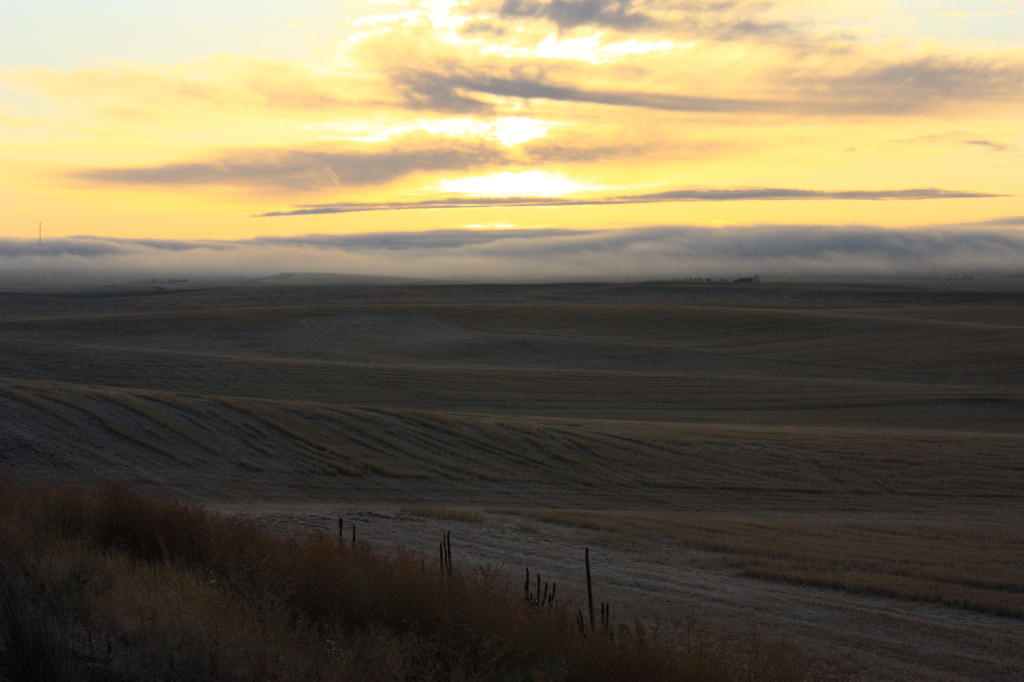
(526,391)
(209,437)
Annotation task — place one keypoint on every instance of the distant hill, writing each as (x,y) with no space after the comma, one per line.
(310,278)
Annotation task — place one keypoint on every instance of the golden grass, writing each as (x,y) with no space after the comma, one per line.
(971,566)
(133,586)
(323,454)
(115,425)
(442,512)
(201,437)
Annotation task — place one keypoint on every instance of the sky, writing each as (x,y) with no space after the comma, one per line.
(554,122)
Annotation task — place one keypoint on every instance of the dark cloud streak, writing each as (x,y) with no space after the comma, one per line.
(443,92)
(880,89)
(721,20)
(681,195)
(617,14)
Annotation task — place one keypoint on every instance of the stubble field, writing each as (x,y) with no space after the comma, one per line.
(841,464)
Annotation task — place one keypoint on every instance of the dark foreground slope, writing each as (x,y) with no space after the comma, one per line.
(107,585)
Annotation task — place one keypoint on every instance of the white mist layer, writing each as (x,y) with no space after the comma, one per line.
(535,255)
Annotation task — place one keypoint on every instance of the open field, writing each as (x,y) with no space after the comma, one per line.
(975,566)
(836,447)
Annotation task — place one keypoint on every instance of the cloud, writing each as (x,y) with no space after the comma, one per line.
(617,14)
(956,139)
(310,170)
(537,255)
(1009,221)
(221,83)
(923,83)
(882,89)
(434,91)
(679,195)
(717,20)
(988,144)
(444,92)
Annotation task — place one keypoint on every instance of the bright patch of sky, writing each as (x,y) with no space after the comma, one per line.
(64,34)
(534,183)
(998,21)
(510,130)
(1002,22)
(377,16)
(586,49)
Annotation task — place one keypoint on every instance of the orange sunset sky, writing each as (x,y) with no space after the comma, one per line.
(196,120)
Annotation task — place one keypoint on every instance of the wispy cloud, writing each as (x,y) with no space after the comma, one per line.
(718,20)
(618,14)
(221,83)
(922,84)
(447,92)
(679,195)
(411,98)
(892,88)
(538,255)
(311,170)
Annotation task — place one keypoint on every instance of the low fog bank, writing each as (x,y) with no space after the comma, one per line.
(992,250)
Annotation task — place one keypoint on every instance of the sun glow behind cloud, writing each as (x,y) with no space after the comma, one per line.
(403,101)
(509,130)
(592,49)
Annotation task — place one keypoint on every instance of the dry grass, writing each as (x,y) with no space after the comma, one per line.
(971,566)
(956,339)
(936,340)
(134,588)
(612,394)
(108,418)
(440,512)
(166,420)
(250,465)
(853,402)
(1002,316)
(319,439)
(174,322)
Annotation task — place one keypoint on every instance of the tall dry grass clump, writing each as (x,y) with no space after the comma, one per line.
(106,584)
